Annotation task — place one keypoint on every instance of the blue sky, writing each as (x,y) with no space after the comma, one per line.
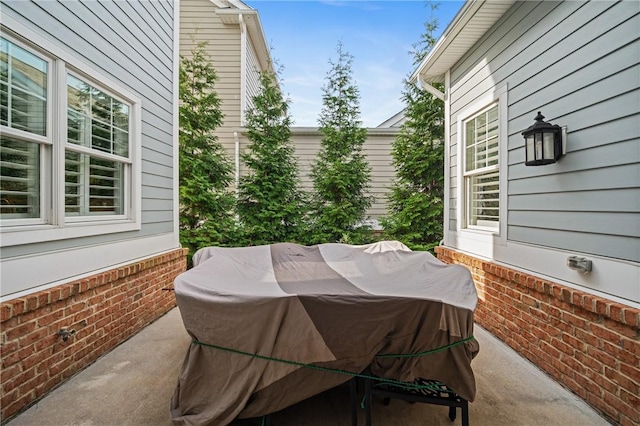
(303,36)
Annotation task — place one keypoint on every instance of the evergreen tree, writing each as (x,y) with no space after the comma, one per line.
(415,208)
(206,205)
(340,172)
(270,207)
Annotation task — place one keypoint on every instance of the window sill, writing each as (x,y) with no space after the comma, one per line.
(19,235)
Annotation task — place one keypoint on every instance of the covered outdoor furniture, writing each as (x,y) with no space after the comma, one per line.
(274,325)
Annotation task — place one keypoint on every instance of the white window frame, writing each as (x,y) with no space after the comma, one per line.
(480,171)
(45,141)
(478,239)
(53,225)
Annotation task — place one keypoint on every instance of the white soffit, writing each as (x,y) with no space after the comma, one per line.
(469,25)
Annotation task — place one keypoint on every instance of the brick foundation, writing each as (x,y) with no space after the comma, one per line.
(104,310)
(589,344)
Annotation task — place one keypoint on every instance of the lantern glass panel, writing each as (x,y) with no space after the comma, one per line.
(538,146)
(549,152)
(530,148)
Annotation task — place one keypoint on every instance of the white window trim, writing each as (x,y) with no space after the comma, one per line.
(476,172)
(56,226)
(482,240)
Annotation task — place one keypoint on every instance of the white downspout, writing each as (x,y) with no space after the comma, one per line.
(446,231)
(429,88)
(243,68)
(237,159)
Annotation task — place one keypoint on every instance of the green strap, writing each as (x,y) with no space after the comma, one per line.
(429,352)
(398,383)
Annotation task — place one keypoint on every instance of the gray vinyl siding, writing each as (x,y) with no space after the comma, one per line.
(130,43)
(578,63)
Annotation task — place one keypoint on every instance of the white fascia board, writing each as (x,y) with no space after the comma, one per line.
(262,48)
(437,62)
(399,117)
(239,4)
(226,4)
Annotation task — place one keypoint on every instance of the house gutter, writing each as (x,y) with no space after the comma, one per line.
(429,88)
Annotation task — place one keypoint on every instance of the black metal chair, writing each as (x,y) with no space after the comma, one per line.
(422,390)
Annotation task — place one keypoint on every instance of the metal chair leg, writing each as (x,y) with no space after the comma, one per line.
(452,413)
(353,390)
(465,413)
(367,401)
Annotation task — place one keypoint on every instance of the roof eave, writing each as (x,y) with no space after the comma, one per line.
(459,37)
(254,28)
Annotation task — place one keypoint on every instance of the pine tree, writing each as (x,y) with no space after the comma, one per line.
(206,204)
(340,173)
(270,207)
(415,208)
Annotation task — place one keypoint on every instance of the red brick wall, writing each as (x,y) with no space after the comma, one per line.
(103,309)
(589,344)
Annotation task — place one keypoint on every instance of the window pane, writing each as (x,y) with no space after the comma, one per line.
(481,140)
(484,199)
(93,186)
(120,115)
(101,138)
(19,179)
(482,151)
(23,89)
(4,60)
(96,120)
(77,128)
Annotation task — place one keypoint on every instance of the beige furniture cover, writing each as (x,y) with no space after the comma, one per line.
(334,306)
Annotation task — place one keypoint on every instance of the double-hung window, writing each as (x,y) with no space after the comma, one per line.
(96,151)
(481,170)
(24,95)
(68,139)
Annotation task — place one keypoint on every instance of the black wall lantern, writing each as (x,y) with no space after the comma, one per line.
(544,142)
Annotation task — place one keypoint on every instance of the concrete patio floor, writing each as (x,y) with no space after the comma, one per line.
(133,384)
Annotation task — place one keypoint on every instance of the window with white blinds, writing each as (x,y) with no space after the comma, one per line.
(23,118)
(77,168)
(96,151)
(481,173)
